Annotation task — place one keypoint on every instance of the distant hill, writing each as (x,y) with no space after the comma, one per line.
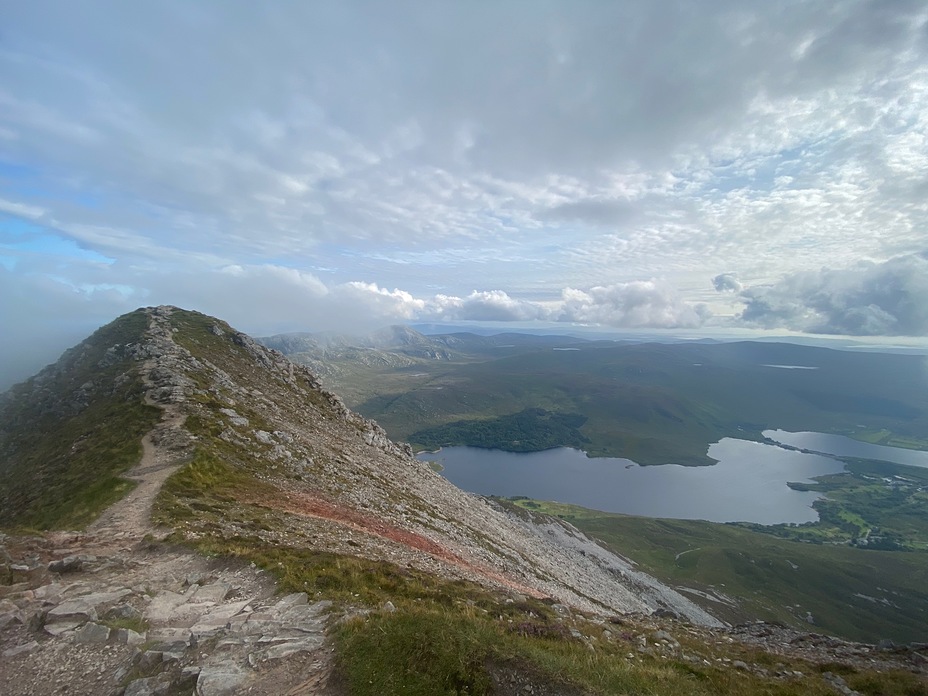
(655,403)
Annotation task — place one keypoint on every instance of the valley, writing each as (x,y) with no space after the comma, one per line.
(859,524)
(652,403)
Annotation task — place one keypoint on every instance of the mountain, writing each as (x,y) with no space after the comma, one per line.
(207,472)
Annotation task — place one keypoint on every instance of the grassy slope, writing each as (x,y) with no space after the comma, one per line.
(773,579)
(60,464)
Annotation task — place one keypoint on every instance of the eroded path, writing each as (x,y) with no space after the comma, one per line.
(164,450)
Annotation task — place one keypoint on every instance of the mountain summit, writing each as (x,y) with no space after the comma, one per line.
(168,430)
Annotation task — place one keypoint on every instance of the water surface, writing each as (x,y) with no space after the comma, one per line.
(747,484)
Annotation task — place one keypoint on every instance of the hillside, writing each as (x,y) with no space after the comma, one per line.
(247,478)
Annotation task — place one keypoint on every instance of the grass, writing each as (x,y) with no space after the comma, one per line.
(69,433)
(774,579)
(432,651)
(137,624)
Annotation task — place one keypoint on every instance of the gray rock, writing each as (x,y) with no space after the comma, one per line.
(56,629)
(49,593)
(220,680)
(174,640)
(886,644)
(69,564)
(126,636)
(211,593)
(149,659)
(20,649)
(389,607)
(151,686)
(13,616)
(73,610)
(658,636)
(291,600)
(740,664)
(92,633)
(123,611)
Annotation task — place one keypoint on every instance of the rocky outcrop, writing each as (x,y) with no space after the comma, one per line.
(154,622)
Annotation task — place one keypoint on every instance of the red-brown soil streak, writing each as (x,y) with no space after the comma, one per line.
(309,505)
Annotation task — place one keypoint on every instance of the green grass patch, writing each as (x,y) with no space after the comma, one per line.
(68,434)
(428,651)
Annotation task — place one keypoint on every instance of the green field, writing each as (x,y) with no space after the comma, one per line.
(872,505)
(739,574)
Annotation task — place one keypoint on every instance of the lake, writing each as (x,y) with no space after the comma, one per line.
(748,483)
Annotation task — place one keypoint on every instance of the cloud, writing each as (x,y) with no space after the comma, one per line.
(727,282)
(492,305)
(867,299)
(218,156)
(607,213)
(636,304)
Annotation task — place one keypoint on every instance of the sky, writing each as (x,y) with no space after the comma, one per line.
(309,166)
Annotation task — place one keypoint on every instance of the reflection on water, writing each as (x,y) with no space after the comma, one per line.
(748,483)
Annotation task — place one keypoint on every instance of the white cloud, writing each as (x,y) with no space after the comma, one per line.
(637,304)
(867,299)
(727,282)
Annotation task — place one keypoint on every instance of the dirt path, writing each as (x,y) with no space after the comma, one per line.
(163,451)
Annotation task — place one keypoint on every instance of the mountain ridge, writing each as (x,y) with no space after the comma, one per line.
(268,467)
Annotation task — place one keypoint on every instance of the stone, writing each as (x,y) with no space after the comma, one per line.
(150,686)
(292,600)
(149,659)
(20,649)
(886,644)
(13,616)
(211,593)
(126,636)
(219,680)
(69,564)
(56,629)
(277,652)
(740,664)
(658,636)
(389,607)
(73,610)
(49,593)
(92,633)
(172,639)
(264,437)
(123,612)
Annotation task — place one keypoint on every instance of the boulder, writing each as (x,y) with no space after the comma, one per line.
(69,564)
(73,610)
(92,633)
